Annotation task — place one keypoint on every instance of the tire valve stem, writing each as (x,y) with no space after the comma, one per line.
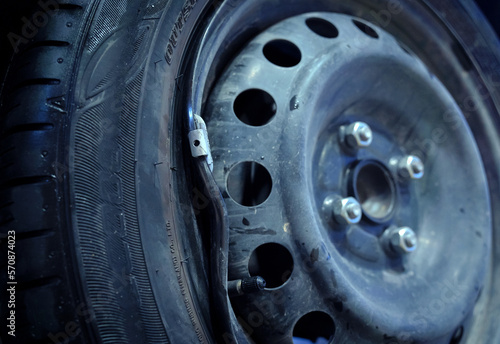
(246,285)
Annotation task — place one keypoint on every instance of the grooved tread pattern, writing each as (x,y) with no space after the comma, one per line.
(108,20)
(104,182)
(31,170)
(94,241)
(37,164)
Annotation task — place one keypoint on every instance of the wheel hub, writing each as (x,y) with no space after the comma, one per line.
(315,115)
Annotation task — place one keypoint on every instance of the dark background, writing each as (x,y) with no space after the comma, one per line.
(11,13)
(491,8)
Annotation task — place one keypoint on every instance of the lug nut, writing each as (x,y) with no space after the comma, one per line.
(399,240)
(347,211)
(411,167)
(358,135)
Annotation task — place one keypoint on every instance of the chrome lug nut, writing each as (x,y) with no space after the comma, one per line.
(347,211)
(411,167)
(358,135)
(400,240)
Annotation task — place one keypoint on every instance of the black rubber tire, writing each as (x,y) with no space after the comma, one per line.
(87,144)
(69,177)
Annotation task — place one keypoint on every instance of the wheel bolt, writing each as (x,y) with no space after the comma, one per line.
(358,135)
(347,211)
(399,240)
(411,167)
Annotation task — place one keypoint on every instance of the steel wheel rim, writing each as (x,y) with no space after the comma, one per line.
(199,94)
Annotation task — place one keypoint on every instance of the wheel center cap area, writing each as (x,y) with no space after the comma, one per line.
(341,159)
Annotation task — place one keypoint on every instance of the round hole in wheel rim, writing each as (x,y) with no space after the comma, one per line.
(312,326)
(365,28)
(273,262)
(322,27)
(457,336)
(249,183)
(282,53)
(254,107)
